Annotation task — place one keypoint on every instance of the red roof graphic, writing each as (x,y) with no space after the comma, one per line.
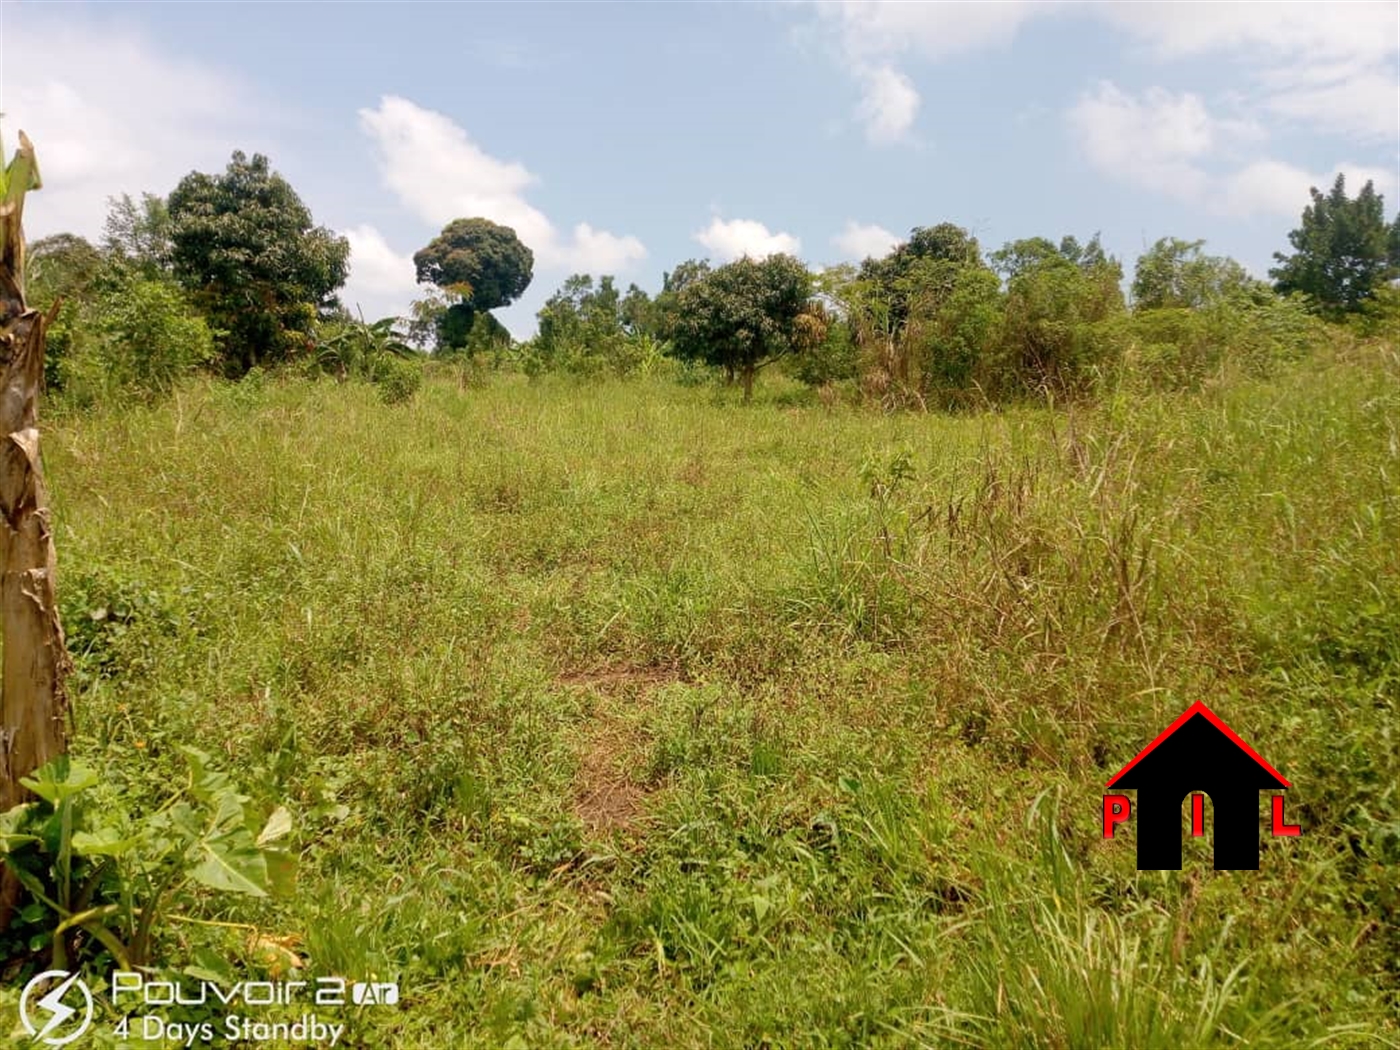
(1199,708)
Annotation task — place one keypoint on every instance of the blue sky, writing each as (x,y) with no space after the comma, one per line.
(625,138)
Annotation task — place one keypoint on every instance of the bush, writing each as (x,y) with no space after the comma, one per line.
(1253,333)
(135,335)
(398,378)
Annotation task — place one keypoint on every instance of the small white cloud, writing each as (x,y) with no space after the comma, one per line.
(1272,187)
(598,251)
(736,238)
(382,281)
(440,174)
(867,29)
(1360,32)
(889,105)
(1155,142)
(859,242)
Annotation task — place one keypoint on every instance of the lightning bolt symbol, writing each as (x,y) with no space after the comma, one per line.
(53,1003)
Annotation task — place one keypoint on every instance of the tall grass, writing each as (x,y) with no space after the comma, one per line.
(853,684)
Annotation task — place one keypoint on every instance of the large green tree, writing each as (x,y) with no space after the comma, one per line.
(1341,252)
(1176,274)
(482,264)
(244,245)
(1057,298)
(906,311)
(744,315)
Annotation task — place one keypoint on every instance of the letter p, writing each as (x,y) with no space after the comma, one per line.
(1116,809)
(126,981)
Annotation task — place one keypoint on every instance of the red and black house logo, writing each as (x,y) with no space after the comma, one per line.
(1197,755)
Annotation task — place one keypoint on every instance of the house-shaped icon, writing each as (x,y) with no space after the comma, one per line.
(1198,752)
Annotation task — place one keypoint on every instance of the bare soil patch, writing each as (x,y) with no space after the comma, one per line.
(610,790)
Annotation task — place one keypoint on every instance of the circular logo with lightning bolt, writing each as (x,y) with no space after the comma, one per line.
(58,1021)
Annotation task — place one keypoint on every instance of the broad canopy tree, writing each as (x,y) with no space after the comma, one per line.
(1342,251)
(483,264)
(1176,274)
(912,311)
(244,245)
(743,316)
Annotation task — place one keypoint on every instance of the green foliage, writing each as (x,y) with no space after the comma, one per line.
(835,359)
(957,338)
(61,269)
(348,347)
(377,353)
(481,261)
(421,326)
(102,880)
(1342,251)
(1379,316)
(592,330)
(139,234)
(127,334)
(743,315)
(61,266)
(665,308)
(1174,273)
(1057,301)
(1251,333)
(243,245)
(398,378)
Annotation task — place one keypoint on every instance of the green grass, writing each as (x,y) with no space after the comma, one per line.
(623,715)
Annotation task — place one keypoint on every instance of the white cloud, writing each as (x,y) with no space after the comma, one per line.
(1274,188)
(889,105)
(1362,102)
(868,36)
(440,174)
(93,140)
(1155,141)
(1317,31)
(739,237)
(1172,145)
(859,242)
(868,30)
(381,280)
(599,251)
(1329,66)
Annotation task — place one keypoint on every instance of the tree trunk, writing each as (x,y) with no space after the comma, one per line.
(748,383)
(33,705)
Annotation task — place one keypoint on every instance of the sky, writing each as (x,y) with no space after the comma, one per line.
(626,138)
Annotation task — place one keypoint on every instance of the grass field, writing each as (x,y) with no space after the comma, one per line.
(625,715)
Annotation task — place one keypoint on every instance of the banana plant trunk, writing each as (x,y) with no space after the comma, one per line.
(33,704)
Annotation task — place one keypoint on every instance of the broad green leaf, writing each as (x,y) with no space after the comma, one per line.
(228,858)
(60,779)
(278,825)
(208,781)
(104,842)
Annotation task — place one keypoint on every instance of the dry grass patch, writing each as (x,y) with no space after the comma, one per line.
(610,788)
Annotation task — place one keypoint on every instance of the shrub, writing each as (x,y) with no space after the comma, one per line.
(135,335)
(398,378)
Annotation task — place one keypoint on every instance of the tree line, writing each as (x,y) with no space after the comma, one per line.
(230,273)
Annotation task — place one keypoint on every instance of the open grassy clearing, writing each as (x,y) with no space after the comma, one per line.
(619,714)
